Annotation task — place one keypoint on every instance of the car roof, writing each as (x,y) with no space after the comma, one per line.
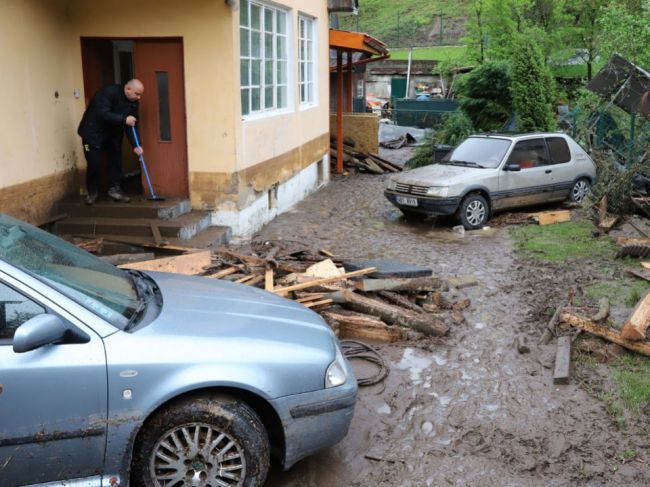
(518,135)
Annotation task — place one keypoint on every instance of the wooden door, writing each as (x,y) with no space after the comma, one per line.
(159,65)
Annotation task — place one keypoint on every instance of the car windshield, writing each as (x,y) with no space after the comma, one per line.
(91,282)
(478,152)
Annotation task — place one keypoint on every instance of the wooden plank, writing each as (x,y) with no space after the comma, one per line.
(313,297)
(636,326)
(462,282)
(349,324)
(562,360)
(312,304)
(409,284)
(155,232)
(550,217)
(604,332)
(223,273)
(244,279)
(645,265)
(268,279)
(327,253)
(305,285)
(257,279)
(187,264)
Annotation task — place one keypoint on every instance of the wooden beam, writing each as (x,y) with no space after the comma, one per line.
(188,264)
(349,324)
(268,279)
(257,279)
(636,326)
(339,111)
(408,284)
(549,217)
(223,273)
(327,280)
(312,304)
(562,360)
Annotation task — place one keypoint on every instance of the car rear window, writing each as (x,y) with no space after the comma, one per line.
(559,150)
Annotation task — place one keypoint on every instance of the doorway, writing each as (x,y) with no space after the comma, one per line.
(158,63)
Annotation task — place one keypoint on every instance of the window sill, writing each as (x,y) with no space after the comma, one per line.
(308,106)
(251,117)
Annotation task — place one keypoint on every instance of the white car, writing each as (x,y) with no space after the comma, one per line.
(493,172)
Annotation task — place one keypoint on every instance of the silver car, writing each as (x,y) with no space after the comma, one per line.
(110,376)
(488,173)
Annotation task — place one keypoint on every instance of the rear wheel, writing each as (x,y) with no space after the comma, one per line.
(207,441)
(580,190)
(473,212)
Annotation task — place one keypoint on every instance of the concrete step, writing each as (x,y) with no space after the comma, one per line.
(183,227)
(138,208)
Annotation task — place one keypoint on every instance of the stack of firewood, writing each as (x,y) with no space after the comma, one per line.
(366,162)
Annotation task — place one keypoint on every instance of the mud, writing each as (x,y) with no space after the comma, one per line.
(467,409)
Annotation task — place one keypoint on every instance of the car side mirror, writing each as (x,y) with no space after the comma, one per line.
(45,329)
(512,167)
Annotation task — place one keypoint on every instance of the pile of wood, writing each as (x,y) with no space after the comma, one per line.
(366,162)
(355,306)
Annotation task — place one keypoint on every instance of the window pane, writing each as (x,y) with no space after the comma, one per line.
(164,123)
(282,97)
(302,93)
(268,97)
(15,309)
(281,68)
(559,150)
(256,13)
(301,28)
(243,13)
(268,20)
(245,67)
(244,43)
(302,72)
(268,72)
(255,44)
(256,67)
(245,101)
(255,103)
(281,52)
(282,22)
(268,46)
(310,72)
(529,153)
(310,92)
(309,50)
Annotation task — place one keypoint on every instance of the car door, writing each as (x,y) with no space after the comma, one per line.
(562,165)
(53,400)
(532,184)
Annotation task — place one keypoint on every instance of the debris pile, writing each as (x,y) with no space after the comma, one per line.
(366,162)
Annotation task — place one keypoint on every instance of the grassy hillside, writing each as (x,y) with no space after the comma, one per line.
(404,23)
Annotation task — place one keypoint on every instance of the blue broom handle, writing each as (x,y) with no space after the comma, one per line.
(144,165)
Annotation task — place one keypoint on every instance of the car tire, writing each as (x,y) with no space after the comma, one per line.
(473,211)
(579,190)
(175,443)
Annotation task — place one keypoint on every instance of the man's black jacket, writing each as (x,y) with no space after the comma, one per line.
(103,120)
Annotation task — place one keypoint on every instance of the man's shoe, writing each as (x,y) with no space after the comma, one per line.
(91,198)
(117,195)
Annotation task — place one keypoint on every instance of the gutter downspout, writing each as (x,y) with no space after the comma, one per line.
(408,73)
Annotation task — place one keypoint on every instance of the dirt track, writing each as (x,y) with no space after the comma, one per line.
(467,409)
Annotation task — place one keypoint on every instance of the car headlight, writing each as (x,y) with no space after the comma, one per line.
(392,184)
(336,372)
(441,191)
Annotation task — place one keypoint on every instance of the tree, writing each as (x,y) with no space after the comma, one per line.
(625,29)
(532,87)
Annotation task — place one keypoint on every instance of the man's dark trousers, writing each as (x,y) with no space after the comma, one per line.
(112,147)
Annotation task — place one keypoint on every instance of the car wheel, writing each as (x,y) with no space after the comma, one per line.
(579,190)
(207,441)
(473,212)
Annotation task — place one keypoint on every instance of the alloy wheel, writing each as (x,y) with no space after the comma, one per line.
(580,190)
(475,213)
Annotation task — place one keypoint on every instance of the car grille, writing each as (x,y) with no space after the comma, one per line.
(412,189)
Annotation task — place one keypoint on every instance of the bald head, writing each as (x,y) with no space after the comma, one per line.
(133,89)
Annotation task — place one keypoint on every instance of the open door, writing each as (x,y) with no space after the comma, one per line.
(162,128)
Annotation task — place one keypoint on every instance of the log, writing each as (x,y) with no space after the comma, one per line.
(400,300)
(385,161)
(392,315)
(606,333)
(636,326)
(603,310)
(372,166)
(408,284)
(361,326)
(562,360)
(305,285)
(187,264)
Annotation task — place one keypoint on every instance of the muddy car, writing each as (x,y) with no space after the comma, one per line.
(110,376)
(489,173)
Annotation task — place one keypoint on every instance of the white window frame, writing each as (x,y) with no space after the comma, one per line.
(268,83)
(308,61)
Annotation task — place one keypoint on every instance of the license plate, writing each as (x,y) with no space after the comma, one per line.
(403,200)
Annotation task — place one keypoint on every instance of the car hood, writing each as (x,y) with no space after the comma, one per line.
(199,307)
(441,175)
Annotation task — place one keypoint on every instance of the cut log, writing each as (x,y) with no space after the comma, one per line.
(414,285)
(462,282)
(393,315)
(550,217)
(188,264)
(562,360)
(400,300)
(636,326)
(361,326)
(604,332)
(305,285)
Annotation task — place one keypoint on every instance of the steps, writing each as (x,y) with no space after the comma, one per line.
(141,222)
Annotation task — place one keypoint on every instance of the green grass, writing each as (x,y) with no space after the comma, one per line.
(621,292)
(434,53)
(632,378)
(561,241)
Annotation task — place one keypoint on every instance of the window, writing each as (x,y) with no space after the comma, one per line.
(306,57)
(559,150)
(263,57)
(529,153)
(15,309)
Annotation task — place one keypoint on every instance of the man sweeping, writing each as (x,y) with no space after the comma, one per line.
(112,111)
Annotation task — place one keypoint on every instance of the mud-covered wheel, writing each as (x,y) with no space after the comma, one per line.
(214,441)
(473,212)
(580,190)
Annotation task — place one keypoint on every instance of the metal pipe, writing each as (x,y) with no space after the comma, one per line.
(408,73)
(339,111)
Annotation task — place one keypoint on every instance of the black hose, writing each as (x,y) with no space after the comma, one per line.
(354,350)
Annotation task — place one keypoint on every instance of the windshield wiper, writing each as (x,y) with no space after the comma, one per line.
(144,292)
(467,163)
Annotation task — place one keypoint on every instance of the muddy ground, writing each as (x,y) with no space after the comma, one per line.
(467,409)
